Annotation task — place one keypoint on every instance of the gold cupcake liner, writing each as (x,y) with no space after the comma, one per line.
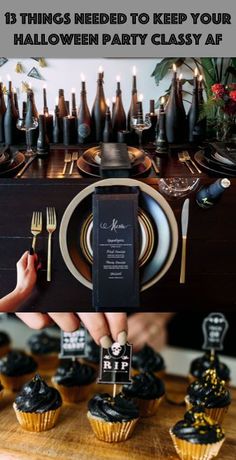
(73,394)
(35,421)
(4,350)
(216,413)
(47,361)
(15,383)
(111,431)
(189,451)
(149,407)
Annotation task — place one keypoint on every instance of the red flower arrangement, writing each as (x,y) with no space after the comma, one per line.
(225,97)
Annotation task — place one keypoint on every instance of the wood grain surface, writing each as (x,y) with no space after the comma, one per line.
(73,439)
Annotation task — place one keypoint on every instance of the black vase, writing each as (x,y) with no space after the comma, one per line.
(174,116)
(10,119)
(42,142)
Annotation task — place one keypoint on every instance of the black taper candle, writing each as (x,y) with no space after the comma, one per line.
(42,142)
(73,105)
(69,130)
(56,126)
(107,133)
(45,106)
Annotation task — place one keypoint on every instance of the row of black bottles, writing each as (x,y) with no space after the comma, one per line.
(179,127)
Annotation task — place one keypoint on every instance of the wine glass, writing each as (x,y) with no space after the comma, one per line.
(139,125)
(177,187)
(27,127)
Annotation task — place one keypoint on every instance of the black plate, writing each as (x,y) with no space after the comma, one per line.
(17,162)
(138,170)
(212,169)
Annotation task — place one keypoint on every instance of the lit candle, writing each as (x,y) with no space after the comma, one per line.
(174,71)
(113,104)
(100,72)
(195,78)
(108,102)
(49,125)
(15,100)
(83,87)
(69,130)
(118,90)
(180,83)
(73,111)
(30,86)
(57,100)
(140,98)
(200,81)
(9,83)
(45,107)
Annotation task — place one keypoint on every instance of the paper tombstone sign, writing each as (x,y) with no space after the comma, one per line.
(73,344)
(115,364)
(214,328)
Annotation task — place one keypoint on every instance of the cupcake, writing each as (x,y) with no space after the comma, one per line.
(197,437)
(112,419)
(5,343)
(45,349)
(147,391)
(208,361)
(210,392)
(38,406)
(16,368)
(148,360)
(74,380)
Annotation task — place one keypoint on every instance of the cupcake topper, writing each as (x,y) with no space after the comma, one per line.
(214,328)
(73,343)
(115,364)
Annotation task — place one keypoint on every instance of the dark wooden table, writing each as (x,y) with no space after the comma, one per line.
(211,250)
(51,166)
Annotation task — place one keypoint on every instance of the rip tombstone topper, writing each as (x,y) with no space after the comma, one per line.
(115,364)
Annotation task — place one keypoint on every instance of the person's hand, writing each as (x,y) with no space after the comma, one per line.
(105,328)
(27,268)
(148,328)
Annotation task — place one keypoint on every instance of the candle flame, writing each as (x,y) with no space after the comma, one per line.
(0,79)
(114,99)
(8,77)
(73,90)
(118,78)
(174,67)
(100,69)
(14,90)
(162,100)
(57,100)
(181,76)
(200,77)
(140,98)
(134,70)
(108,102)
(82,76)
(195,72)
(44,86)
(30,86)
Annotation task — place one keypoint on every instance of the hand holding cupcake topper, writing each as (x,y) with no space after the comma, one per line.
(115,365)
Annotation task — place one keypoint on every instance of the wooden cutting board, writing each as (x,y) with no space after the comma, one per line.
(72,438)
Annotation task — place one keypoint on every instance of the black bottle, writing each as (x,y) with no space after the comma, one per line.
(2,113)
(42,142)
(133,104)
(161,138)
(10,119)
(32,112)
(56,127)
(99,110)
(149,134)
(174,115)
(201,125)
(119,117)
(206,197)
(84,122)
(182,110)
(193,114)
(107,133)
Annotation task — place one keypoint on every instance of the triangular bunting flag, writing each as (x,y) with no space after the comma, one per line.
(3,61)
(34,73)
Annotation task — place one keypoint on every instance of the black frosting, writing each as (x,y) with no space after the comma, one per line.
(17,363)
(144,386)
(43,343)
(72,373)
(4,339)
(209,391)
(148,360)
(37,396)
(118,409)
(92,351)
(197,428)
(209,361)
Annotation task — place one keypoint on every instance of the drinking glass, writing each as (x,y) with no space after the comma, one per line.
(22,126)
(139,126)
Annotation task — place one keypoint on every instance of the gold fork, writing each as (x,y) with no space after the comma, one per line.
(67,160)
(51,227)
(74,158)
(36,226)
(183,160)
(188,158)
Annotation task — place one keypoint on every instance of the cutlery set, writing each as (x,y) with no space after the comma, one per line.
(185,158)
(70,159)
(37,227)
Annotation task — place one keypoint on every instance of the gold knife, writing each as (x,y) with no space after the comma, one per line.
(184,227)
